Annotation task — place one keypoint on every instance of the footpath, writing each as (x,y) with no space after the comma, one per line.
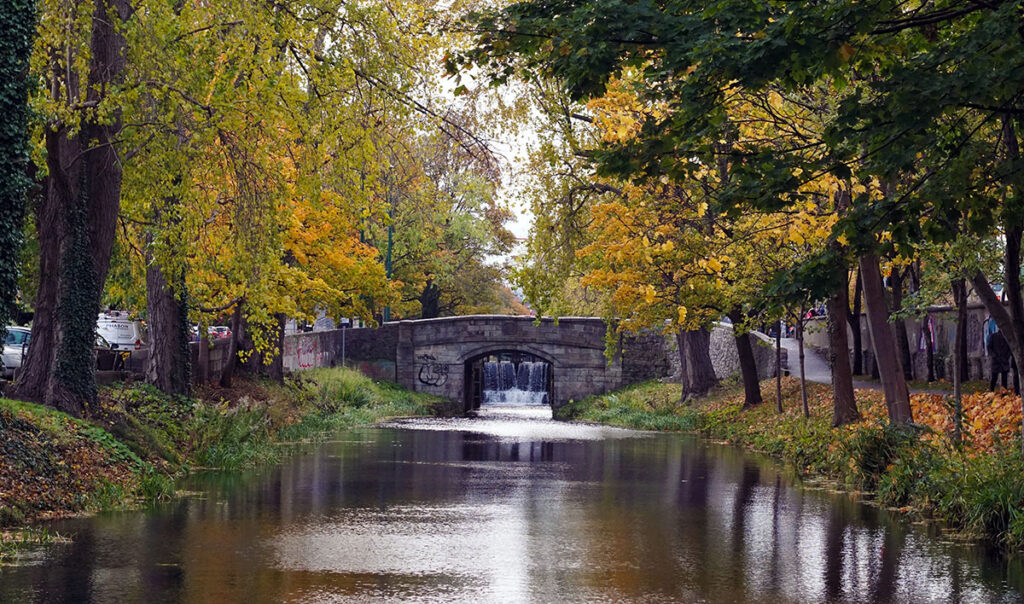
(816,369)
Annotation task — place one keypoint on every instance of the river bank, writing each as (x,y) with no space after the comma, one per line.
(974,487)
(131,447)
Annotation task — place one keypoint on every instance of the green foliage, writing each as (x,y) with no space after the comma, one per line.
(154,486)
(19,20)
(77,307)
(342,398)
(117,451)
(871,450)
(231,439)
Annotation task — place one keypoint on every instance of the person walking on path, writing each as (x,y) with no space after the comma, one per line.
(1002,362)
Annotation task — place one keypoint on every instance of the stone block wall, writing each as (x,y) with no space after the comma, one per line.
(648,355)
(432,355)
(726,361)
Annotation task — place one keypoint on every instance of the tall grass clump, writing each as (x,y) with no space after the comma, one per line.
(232,438)
(343,398)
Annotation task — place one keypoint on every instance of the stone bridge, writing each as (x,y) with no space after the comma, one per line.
(444,356)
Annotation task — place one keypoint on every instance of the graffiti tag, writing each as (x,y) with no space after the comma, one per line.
(308,353)
(433,374)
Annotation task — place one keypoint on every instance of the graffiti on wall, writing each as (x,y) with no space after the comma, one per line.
(308,353)
(432,373)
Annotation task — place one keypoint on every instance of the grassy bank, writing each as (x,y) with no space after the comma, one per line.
(974,487)
(131,447)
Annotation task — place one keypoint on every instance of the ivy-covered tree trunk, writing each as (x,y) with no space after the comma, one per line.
(168,367)
(79,212)
(696,371)
(844,405)
(19,20)
(897,397)
(73,385)
(748,366)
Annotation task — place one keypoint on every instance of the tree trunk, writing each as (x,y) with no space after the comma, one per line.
(897,397)
(929,347)
(34,378)
(898,324)
(778,366)
(1010,322)
(696,371)
(72,387)
(844,404)
(228,373)
(853,318)
(803,377)
(82,170)
(748,366)
(19,22)
(960,296)
(168,367)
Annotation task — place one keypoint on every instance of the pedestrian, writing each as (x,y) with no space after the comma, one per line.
(990,328)
(999,352)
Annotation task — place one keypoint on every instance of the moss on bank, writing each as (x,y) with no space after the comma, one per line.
(975,487)
(132,445)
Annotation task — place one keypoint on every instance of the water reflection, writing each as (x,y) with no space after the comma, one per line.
(507,509)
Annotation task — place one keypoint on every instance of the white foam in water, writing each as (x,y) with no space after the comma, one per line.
(505,384)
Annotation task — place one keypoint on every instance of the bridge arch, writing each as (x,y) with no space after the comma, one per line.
(433,355)
(474,372)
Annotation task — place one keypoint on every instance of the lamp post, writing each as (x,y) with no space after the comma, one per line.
(391,231)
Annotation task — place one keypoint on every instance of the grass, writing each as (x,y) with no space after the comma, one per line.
(137,440)
(974,487)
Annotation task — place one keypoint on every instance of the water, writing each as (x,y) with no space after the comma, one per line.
(509,507)
(505,383)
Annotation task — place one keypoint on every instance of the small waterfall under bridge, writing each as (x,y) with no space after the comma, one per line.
(508,383)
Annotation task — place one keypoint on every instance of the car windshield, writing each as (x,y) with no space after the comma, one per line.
(16,337)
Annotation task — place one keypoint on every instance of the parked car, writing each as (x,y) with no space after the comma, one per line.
(121,330)
(15,349)
(218,331)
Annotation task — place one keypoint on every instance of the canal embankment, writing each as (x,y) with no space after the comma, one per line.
(133,445)
(973,487)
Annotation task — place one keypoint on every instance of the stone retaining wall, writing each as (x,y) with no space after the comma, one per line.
(432,355)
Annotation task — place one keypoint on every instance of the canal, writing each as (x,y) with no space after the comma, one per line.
(507,507)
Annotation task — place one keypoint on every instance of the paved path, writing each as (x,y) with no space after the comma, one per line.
(816,369)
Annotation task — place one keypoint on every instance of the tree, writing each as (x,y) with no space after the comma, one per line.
(884,58)
(81,59)
(19,20)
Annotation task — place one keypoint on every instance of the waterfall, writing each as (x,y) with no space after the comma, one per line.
(506,384)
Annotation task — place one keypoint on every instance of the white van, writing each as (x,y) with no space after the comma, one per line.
(121,330)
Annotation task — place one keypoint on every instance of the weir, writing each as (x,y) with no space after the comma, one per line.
(505,383)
